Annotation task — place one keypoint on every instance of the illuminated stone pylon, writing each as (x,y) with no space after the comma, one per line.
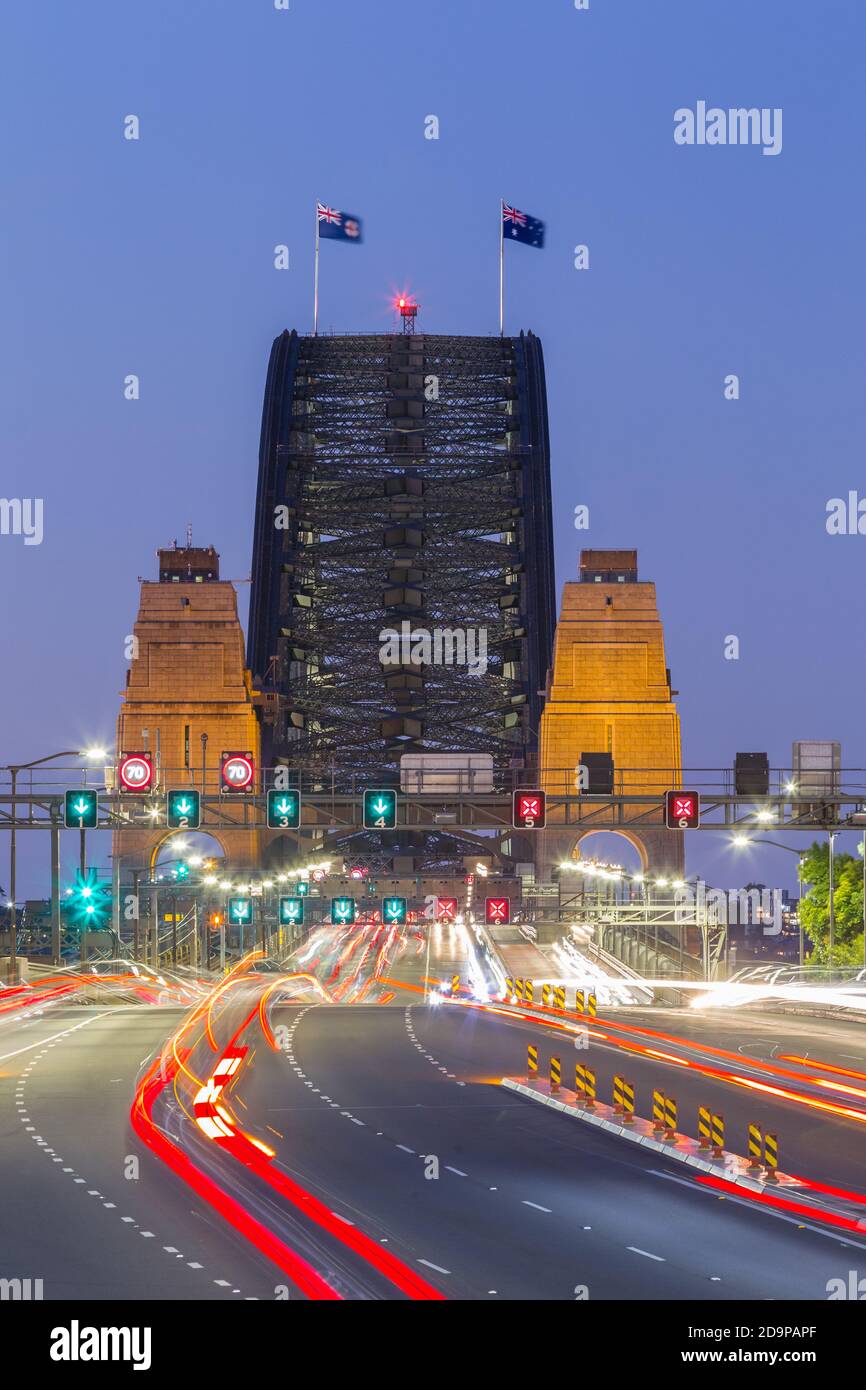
(189,698)
(610,692)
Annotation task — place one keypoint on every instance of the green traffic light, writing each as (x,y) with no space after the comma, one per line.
(90,902)
(183,810)
(291,911)
(380,809)
(80,810)
(284,810)
(394,911)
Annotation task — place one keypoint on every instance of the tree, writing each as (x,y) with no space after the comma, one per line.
(847,904)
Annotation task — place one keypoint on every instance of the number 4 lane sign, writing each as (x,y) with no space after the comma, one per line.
(380,810)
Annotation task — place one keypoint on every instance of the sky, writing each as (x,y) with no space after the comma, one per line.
(155,257)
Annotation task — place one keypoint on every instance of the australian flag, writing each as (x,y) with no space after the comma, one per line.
(519,226)
(339,226)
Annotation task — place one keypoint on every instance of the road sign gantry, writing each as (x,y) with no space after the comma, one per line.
(386,808)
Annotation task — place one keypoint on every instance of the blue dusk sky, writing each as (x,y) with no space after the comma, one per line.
(156,257)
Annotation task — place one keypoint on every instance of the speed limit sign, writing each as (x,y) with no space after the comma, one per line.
(237,772)
(135,772)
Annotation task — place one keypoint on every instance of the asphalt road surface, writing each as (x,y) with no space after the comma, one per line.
(393,1115)
(69,1214)
(527,1204)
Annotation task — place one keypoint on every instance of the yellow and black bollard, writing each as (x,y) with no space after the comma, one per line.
(718,1128)
(545,996)
(518,990)
(628,1102)
(670,1118)
(509,988)
(528,991)
(704,1127)
(580,1082)
(590,1089)
(617,1095)
(592,1006)
(579,1001)
(771,1155)
(754,1146)
(455,984)
(555,1074)
(559,997)
(658,1111)
(531,1062)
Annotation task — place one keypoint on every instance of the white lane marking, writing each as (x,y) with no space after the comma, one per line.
(405,1148)
(438,1268)
(648,1253)
(358,1122)
(194,1264)
(458,1171)
(549,1210)
(344,1219)
(6,1055)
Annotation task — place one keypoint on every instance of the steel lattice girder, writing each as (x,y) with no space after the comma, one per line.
(411,480)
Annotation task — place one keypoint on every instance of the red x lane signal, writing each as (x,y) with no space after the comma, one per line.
(446,909)
(682,810)
(497,911)
(528,810)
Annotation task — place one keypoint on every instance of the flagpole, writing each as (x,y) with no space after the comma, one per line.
(501,270)
(316,280)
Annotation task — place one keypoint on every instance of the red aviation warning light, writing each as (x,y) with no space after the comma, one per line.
(408,311)
(237,772)
(446,909)
(497,911)
(135,772)
(682,810)
(528,810)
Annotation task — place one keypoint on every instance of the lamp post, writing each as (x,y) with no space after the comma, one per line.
(831,835)
(741,840)
(14,769)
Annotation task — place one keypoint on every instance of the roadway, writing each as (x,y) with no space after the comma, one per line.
(70,1215)
(527,1204)
(392,1117)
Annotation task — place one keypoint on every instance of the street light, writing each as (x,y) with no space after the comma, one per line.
(14,769)
(740,840)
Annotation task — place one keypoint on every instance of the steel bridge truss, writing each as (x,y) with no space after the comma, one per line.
(403,488)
